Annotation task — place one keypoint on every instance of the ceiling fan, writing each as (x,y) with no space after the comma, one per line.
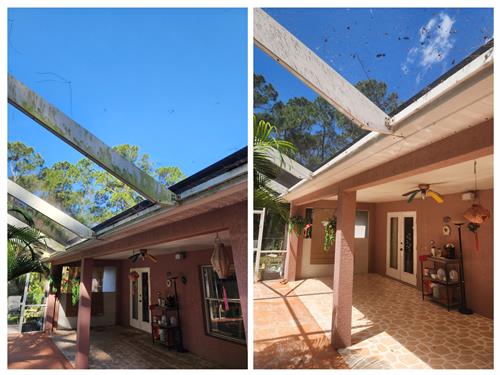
(425,191)
(143,254)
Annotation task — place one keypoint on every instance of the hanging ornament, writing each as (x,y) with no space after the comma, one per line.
(220,259)
(476,213)
(221,264)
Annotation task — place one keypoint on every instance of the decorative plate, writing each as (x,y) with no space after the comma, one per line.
(441,274)
(453,275)
(446,230)
(169,283)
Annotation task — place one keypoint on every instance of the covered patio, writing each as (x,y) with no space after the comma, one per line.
(144,280)
(392,328)
(358,289)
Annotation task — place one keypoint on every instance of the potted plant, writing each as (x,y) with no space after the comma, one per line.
(297,224)
(330,232)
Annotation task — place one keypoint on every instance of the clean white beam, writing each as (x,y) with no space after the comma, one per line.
(48,210)
(286,49)
(52,119)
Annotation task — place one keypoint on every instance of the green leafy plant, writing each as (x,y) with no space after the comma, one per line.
(296,224)
(23,245)
(75,291)
(330,232)
(269,153)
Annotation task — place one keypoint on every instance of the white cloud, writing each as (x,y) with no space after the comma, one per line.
(435,43)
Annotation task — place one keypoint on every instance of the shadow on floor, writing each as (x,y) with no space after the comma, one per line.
(391,328)
(34,350)
(116,347)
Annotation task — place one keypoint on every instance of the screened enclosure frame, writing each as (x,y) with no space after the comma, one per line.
(57,122)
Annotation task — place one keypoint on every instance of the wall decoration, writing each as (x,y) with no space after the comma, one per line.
(446,230)
(222,266)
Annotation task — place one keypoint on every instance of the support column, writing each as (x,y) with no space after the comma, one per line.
(84,315)
(54,290)
(292,249)
(239,246)
(343,270)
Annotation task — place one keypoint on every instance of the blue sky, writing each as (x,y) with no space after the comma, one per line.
(172,81)
(406,48)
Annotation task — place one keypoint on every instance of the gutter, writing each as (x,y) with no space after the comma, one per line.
(157,209)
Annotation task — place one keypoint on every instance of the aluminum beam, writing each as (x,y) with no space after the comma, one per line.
(290,52)
(51,118)
(54,245)
(48,210)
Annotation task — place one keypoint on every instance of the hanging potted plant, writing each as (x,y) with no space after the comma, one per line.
(296,224)
(330,232)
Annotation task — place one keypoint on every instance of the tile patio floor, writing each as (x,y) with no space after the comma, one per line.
(118,347)
(392,328)
(34,350)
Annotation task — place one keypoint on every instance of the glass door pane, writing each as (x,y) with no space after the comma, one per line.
(145,296)
(408,245)
(394,243)
(135,299)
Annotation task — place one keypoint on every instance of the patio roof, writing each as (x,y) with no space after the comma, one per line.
(219,185)
(64,231)
(460,98)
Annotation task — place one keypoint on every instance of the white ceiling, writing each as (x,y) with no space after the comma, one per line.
(458,178)
(202,242)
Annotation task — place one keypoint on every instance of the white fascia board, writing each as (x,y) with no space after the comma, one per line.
(475,66)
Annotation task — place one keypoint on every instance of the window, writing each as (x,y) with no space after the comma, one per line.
(361,225)
(222,323)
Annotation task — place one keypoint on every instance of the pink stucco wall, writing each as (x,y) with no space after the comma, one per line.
(478,265)
(195,339)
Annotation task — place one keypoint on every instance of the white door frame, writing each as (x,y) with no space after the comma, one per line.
(139,323)
(258,249)
(399,272)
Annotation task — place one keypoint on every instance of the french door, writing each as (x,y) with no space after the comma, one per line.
(140,316)
(402,246)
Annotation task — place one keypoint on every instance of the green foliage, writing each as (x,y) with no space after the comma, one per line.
(315,127)
(22,246)
(36,290)
(75,292)
(297,224)
(330,233)
(82,189)
(266,143)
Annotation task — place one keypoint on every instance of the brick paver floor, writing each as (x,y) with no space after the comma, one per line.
(34,351)
(391,328)
(127,348)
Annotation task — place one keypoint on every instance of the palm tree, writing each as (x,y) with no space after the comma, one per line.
(22,246)
(266,144)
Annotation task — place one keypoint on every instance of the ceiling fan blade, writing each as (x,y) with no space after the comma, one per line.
(152,258)
(134,257)
(437,197)
(410,192)
(412,196)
